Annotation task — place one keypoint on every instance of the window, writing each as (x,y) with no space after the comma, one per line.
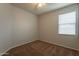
(67,23)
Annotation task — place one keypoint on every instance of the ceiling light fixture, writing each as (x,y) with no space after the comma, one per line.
(39,5)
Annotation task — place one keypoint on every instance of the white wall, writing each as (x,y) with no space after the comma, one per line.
(5,27)
(48,24)
(16,27)
(25,27)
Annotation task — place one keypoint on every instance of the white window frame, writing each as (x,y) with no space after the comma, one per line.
(60,25)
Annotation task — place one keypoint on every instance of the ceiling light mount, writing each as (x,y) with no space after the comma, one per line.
(39,5)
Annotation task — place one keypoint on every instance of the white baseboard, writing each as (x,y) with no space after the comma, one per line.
(32,41)
(5,51)
(61,45)
(14,47)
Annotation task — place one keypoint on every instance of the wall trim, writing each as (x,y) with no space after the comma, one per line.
(4,52)
(61,45)
(39,40)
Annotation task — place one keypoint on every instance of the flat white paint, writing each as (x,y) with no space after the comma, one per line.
(25,27)
(5,27)
(16,27)
(48,24)
(49,7)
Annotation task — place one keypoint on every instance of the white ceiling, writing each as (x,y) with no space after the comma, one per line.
(50,6)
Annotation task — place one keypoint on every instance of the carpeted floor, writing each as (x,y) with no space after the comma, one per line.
(40,48)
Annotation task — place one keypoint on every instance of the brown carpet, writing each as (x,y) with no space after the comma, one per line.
(40,48)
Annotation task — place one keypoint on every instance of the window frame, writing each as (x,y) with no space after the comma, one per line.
(75,23)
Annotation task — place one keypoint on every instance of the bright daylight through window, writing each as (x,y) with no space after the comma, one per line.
(67,23)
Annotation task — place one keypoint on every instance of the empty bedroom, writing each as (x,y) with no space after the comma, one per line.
(39,29)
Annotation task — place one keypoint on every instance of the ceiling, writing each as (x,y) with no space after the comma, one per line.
(49,7)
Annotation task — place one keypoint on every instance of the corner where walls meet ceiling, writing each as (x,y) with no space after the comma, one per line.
(49,7)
